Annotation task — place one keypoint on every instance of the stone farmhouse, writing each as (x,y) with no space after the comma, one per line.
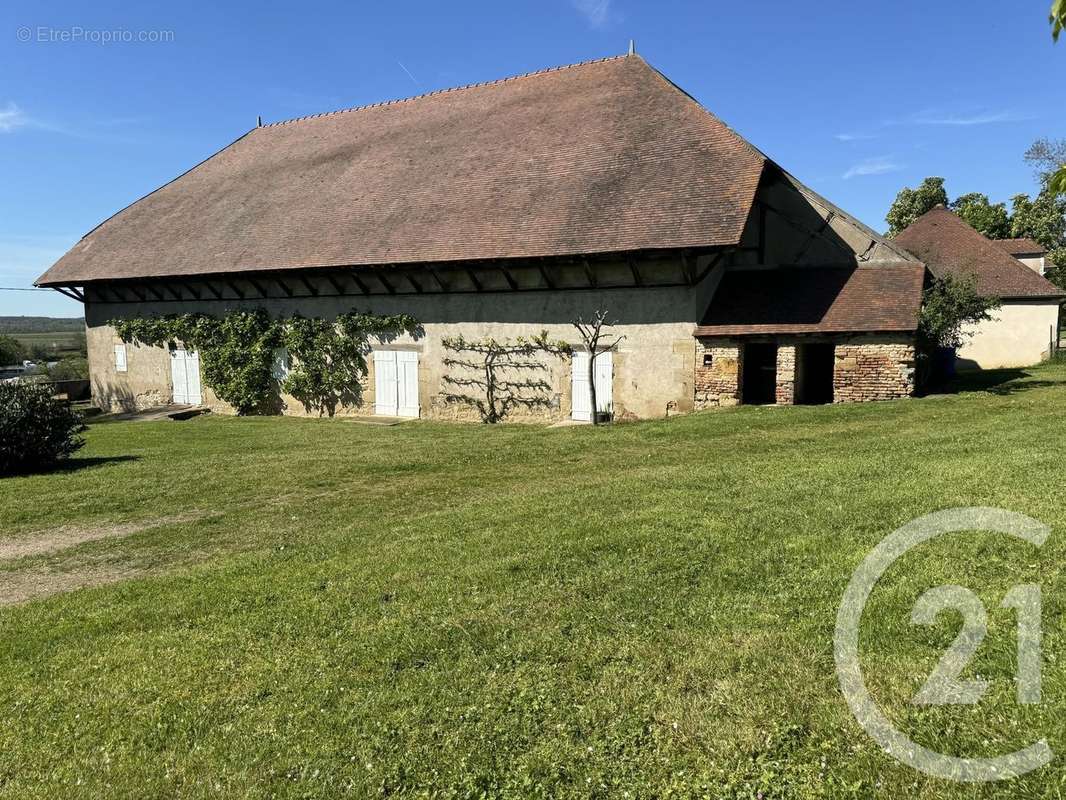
(502,210)
(1025,328)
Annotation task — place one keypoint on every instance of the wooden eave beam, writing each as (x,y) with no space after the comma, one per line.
(437,278)
(70,292)
(283,286)
(637,281)
(473,279)
(546,277)
(338,287)
(384,282)
(417,286)
(308,285)
(235,289)
(358,282)
(508,277)
(259,287)
(590,273)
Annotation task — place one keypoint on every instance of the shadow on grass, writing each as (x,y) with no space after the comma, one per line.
(994,381)
(73,465)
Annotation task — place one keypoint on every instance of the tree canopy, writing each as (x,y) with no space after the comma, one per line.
(912,203)
(11,351)
(991,219)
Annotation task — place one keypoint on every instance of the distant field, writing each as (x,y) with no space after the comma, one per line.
(61,343)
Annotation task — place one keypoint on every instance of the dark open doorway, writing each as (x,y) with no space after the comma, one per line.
(759,374)
(814,374)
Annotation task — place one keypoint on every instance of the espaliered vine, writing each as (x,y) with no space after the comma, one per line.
(495,377)
(238,351)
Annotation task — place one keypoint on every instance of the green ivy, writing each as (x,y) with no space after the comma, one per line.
(237,353)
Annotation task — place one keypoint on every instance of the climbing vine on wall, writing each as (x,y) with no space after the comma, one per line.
(237,353)
(495,377)
(329,358)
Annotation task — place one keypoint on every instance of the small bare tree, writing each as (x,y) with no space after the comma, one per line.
(597,341)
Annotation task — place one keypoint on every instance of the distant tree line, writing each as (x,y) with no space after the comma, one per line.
(41,324)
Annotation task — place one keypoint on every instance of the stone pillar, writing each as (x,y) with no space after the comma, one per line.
(717,373)
(786,375)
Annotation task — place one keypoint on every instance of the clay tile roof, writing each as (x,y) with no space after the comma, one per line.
(598,157)
(949,246)
(867,299)
(1019,247)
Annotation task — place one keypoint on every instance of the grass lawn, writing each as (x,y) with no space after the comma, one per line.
(318,608)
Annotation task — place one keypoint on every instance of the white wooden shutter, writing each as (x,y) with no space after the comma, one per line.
(407,383)
(177,376)
(386,395)
(192,377)
(120,358)
(580,397)
(604,382)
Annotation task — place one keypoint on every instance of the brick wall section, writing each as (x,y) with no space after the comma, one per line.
(718,383)
(786,375)
(873,370)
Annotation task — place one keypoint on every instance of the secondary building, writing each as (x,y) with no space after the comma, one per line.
(503,210)
(1025,328)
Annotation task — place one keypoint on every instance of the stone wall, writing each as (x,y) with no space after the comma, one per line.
(652,364)
(717,373)
(865,368)
(873,369)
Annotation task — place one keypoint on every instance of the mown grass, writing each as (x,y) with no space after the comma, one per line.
(460,611)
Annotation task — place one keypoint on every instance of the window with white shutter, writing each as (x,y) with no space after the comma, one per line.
(120,358)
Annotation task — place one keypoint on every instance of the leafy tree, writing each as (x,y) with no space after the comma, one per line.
(1042,219)
(11,351)
(948,305)
(1056,183)
(71,368)
(990,219)
(912,203)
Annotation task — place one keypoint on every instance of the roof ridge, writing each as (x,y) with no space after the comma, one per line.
(450,89)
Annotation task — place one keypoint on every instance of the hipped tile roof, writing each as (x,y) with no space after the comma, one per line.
(1019,247)
(949,246)
(599,157)
(791,300)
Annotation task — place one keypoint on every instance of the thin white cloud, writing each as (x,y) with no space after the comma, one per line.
(853,137)
(595,12)
(12,118)
(872,166)
(985,118)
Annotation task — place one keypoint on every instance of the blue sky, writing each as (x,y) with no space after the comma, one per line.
(855,98)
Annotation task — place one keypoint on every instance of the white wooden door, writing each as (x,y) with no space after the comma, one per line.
(406,383)
(185,376)
(396,383)
(385,395)
(581,397)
